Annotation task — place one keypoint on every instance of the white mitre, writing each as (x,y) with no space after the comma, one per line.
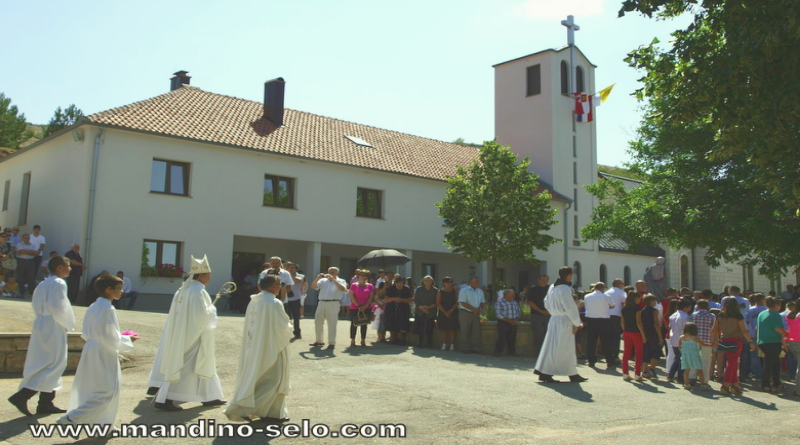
(199,266)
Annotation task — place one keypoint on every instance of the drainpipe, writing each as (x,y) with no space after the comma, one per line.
(566,233)
(98,140)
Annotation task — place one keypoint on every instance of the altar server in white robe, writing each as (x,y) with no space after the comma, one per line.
(262,378)
(557,356)
(94,399)
(46,359)
(185,369)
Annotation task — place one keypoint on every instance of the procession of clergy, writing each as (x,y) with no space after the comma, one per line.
(184,369)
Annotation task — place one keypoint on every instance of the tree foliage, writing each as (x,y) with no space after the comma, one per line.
(493,210)
(13,129)
(62,119)
(719,141)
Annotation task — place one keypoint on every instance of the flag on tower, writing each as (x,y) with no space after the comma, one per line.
(605,92)
(583,107)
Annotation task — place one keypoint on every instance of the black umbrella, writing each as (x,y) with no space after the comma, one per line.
(383,258)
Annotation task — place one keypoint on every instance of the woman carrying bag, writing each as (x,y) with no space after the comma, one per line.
(361,297)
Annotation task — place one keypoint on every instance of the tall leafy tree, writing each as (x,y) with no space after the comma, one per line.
(493,209)
(719,141)
(13,128)
(62,119)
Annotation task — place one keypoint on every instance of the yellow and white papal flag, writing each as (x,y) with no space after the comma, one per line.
(605,92)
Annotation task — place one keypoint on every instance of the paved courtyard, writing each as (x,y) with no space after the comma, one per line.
(441,397)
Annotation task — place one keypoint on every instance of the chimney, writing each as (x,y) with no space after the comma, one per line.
(180,78)
(273,100)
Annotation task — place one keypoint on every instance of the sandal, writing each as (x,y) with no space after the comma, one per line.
(725,390)
(687,386)
(736,388)
(363,344)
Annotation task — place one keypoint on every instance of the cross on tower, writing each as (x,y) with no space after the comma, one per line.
(571,28)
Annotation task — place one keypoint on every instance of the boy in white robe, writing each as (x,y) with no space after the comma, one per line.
(557,356)
(185,368)
(46,359)
(262,378)
(95,391)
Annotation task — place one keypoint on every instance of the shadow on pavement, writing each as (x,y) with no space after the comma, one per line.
(572,390)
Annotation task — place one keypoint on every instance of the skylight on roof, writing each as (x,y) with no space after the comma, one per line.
(359,141)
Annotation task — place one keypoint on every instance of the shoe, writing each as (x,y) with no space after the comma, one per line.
(153,390)
(671,379)
(20,403)
(444,347)
(767,389)
(168,406)
(315,344)
(51,409)
(725,390)
(639,378)
(547,379)
(298,337)
(591,365)
(611,365)
(363,344)
(330,346)
(736,388)
(217,402)
(687,386)
(577,379)
(453,347)
(704,386)
(627,377)
(353,344)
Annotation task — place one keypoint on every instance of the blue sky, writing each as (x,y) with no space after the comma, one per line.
(419,67)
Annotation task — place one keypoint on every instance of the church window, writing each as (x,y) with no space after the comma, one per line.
(169,177)
(627,275)
(604,274)
(368,203)
(579,80)
(23,203)
(534,77)
(574,172)
(564,77)
(684,271)
(6,194)
(278,191)
(157,254)
(575,201)
(576,232)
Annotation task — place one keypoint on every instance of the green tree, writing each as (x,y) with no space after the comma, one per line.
(493,211)
(719,142)
(13,129)
(62,119)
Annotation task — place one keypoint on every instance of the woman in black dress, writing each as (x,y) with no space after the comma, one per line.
(398,310)
(447,301)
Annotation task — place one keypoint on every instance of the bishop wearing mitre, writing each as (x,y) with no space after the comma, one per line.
(262,377)
(185,369)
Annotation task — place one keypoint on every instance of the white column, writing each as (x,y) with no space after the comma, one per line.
(313,255)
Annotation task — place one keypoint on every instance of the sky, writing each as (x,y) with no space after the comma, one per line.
(418,67)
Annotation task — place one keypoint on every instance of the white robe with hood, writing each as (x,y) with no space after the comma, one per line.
(47,350)
(558,350)
(185,368)
(262,378)
(94,399)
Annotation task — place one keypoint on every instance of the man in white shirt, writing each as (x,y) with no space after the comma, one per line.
(330,288)
(617,294)
(37,239)
(131,295)
(598,325)
(470,300)
(276,264)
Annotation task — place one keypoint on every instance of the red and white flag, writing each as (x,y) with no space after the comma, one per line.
(583,107)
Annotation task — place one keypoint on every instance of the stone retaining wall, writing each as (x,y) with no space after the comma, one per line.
(488,338)
(14,348)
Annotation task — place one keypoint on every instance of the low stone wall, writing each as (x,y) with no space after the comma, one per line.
(14,348)
(488,338)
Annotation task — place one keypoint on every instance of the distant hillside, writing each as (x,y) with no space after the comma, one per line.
(35,132)
(619,171)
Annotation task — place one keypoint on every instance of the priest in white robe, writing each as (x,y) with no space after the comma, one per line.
(94,399)
(185,368)
(557,356)
(46,359)
(262,378)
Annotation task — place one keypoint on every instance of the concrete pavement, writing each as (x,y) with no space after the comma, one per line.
(445,397)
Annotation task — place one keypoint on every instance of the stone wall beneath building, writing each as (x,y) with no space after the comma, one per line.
(14,349)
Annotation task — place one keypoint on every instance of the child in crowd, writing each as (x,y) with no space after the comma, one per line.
(689,344)
(12,288)
(96,388)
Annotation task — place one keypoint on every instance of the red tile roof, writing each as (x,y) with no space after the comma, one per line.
(191,113)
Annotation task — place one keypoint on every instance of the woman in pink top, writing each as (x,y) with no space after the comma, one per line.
(793,342)
(361,296)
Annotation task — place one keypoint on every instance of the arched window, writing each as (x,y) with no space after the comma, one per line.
(604,275)
(564,77)
(627,275)
(576,273)
(684,271)
(579,80)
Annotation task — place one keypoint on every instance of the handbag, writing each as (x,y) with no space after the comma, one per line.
(10,263)
(727,346)
(363,318)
